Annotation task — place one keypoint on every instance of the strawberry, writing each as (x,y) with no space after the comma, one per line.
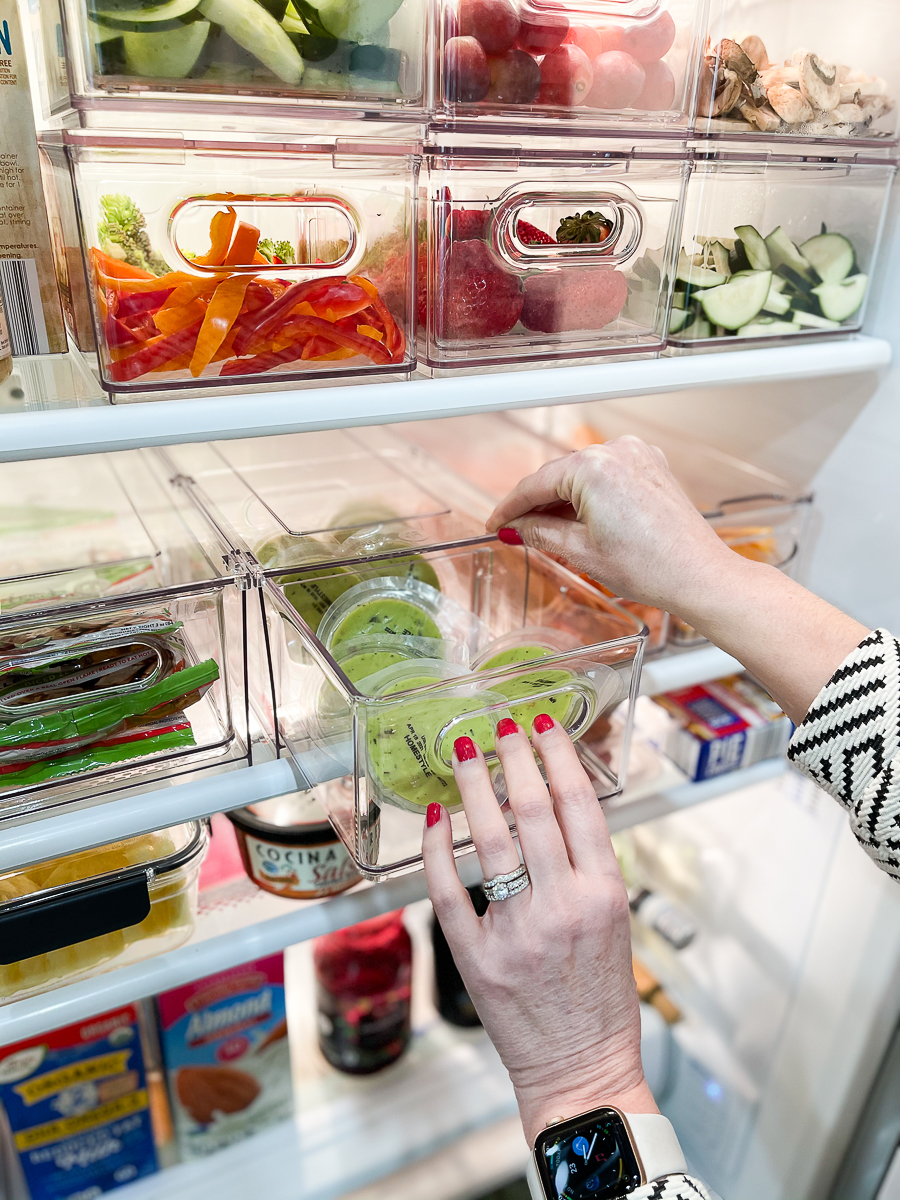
(532,236)
(478,299)
(588,226)
(581,298)
(467,223)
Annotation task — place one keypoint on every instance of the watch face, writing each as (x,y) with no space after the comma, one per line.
(588,1158)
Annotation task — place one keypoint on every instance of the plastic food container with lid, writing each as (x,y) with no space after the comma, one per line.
(121,641)
(330,58)
(584,65)
(227,259)
(776,246)
(801,71)
(542,252)
(85,913)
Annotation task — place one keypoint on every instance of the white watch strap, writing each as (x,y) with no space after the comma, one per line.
(652,1137)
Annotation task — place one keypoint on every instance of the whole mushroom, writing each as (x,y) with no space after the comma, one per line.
(789,104)
(729,94)
(755,49)
(819,82)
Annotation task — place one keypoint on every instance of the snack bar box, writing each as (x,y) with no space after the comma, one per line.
(225,259)
(356,541)
(121,638)
(802,73)
(585,65)
(85,913)
(777,246)
(539,251)
(333,58)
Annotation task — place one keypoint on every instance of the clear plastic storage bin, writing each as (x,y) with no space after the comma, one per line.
(588,64)
(233,260)
(74,917)
(806,70)
(537,254)
(332,57)
(120,640)
(776,247)
(396,624)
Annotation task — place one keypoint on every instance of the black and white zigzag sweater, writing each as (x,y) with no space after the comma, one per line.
(849,744)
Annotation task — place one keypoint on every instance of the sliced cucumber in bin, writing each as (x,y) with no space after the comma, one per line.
(137,15)
(738,302)
(755,248)
(767,328)
(813,321)
(838,301)
(167,54)
(257,31)
(375,61)
(697,277)
(831,255)
(699,328)
(784,254)
(678,318)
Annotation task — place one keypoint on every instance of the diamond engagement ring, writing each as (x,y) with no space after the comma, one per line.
(501,887)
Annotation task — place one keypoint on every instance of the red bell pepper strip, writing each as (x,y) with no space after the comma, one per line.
(131,304)
(394,339)
(305,327)
(345,299)
(154,354)
(117,332)
(260,363)
(224,309)
(271,316)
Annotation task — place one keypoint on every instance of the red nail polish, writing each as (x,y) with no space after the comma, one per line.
(465,749)
(506,727)
(542,723)
(433,814)
(511,537)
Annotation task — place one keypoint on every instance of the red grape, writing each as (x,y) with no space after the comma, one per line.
(541,32)
(585,38)
(618,81)
(659,88)
(467,75)
(493,22)
(515,78)
(649,42)
(566,76)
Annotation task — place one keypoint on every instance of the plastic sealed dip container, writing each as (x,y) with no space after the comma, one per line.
(289,847)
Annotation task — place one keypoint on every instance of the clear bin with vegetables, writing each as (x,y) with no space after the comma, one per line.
(332,56)
(120,639)
(774,248)
(532,251)
(85,913)
(220,262)
(807,70)
(590,64)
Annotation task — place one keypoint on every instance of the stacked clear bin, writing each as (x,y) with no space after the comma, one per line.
(358,541)
(263,258)
(121,640)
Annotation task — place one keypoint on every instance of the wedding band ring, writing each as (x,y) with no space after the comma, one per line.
(501,887)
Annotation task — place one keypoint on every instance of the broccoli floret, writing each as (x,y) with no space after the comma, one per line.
(122,232)
(276,251)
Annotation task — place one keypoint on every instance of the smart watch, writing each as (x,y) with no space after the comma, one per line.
(601,1155)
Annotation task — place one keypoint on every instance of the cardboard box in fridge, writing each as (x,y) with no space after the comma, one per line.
(27,275)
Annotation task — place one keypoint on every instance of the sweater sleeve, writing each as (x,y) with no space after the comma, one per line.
(674,1187)
(849,744)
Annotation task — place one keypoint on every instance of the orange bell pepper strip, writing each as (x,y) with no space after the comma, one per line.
(170,320)
(340,338)
(153,284)
(221,227)
(116,268)
(224,309)
(243,248)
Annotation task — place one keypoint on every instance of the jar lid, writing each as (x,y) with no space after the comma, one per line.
(296,819)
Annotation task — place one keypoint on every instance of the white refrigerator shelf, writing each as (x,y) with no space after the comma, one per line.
(243,923)
(49,419)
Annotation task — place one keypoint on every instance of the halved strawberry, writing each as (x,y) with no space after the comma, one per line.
(532,236)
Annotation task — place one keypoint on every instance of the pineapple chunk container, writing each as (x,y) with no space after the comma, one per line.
(121,640)
(233,260)
(776,247)
(534,254)
(394,625)
(582,65)
(801,71)
(77,916)
(328,58)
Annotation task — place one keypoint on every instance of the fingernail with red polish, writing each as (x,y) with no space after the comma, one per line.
(465,749)
(511,537)
(433,814)
(542,723)
(506,727)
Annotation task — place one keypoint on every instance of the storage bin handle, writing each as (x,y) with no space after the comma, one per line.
(622,242)
(351,231)
(87,911)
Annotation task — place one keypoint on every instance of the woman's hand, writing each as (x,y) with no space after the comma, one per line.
(617,513)
(549,969)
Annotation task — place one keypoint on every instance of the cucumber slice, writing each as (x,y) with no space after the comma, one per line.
(679,299)
(767,329)
(737,302)
(699,328)
(778,284)
(737,258)
(170,54)
(248,24)
(355,20)
(814,321)
(120,15)
(783,253)
(720,258)
(777,302)
(679,318)
(831,254)
(697,277)
(838,301)
(754,247)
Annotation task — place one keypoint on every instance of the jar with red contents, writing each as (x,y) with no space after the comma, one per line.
(364,977)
